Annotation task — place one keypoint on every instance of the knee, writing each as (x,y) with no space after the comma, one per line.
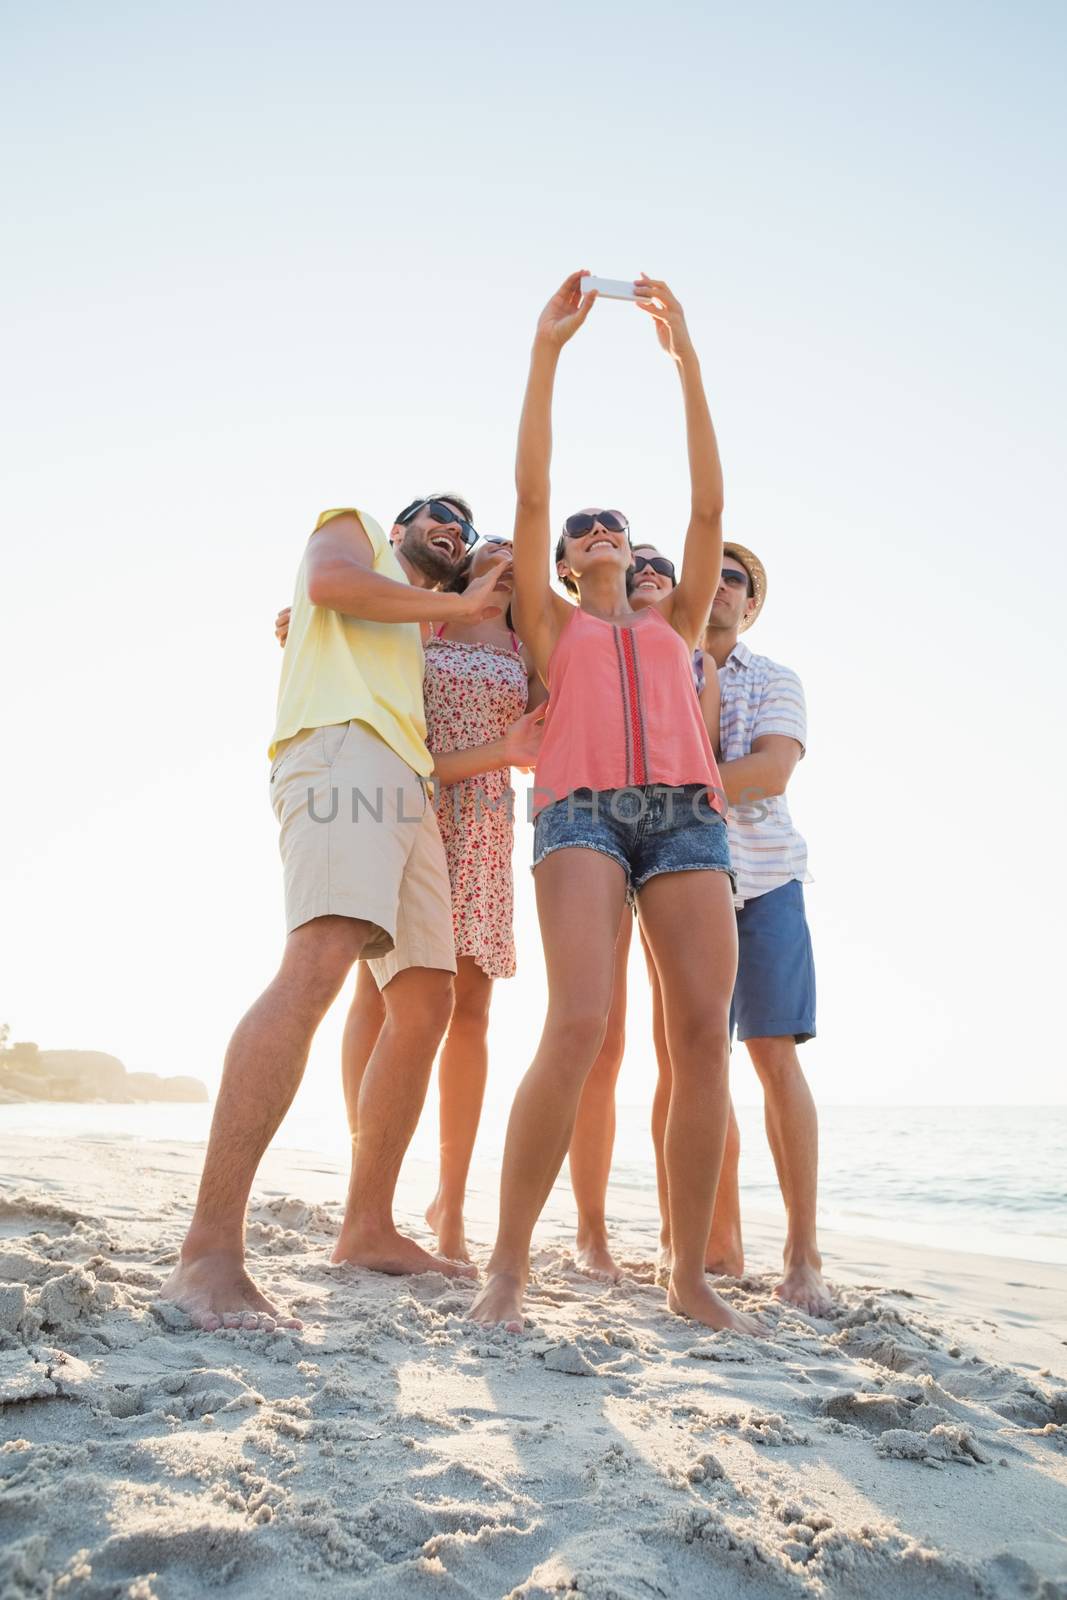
(438,1014)
(423,1008)
(580,1032)
(776,1062)
(438,1002)
(700,1061)
(608,1060)
(612,1046)
(320,954)
(701,1041)
(470,1009)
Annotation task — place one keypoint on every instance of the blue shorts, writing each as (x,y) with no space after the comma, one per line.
(647,829)
(774,995)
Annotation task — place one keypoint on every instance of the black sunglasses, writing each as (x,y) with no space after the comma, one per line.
(736,580)
(584,522)
(658,564)
(442,514)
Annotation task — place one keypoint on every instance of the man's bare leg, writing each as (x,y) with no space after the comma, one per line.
(593,1138)
(688,920)
(462,1072)
(264,1065)
(725,1255)
(580,895)
(793,1132)
(363,1024)
(418,1003)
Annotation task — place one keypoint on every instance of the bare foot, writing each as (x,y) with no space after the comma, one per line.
(702,1304)
(664,1261)
(395,1254)
(451,1234)
(593,1257)
(804,1287)
(216,1292)
(499,1302)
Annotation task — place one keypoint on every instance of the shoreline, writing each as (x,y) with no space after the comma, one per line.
(628,1196)
(851,1254)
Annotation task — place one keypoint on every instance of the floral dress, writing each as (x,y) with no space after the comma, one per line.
(473,693)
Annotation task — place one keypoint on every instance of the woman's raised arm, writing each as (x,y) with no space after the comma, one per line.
(539,612)
(688,606)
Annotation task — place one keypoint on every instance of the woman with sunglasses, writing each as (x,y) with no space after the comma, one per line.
(626,784)
(651,578)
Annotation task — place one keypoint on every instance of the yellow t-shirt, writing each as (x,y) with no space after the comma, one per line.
(345,669)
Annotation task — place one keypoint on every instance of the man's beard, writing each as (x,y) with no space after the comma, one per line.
(425,558)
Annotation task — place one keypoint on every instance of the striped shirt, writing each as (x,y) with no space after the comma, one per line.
(758,697)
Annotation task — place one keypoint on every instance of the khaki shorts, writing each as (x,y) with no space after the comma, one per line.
(359,839)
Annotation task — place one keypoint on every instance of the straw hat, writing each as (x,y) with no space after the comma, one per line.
(756,571)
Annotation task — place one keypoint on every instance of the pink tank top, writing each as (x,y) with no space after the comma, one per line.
(621,711)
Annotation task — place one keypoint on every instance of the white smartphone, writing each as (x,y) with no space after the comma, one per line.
(609,288)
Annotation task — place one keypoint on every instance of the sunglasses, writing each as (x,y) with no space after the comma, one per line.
(584,522)
(658,564)
(736,580)
(442,514)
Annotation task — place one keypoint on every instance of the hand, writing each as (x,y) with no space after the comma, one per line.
(522,742)
(565,312)
(500,559)
(281,625)
(654,297)
(481,599)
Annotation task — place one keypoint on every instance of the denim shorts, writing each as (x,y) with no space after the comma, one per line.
(648,830)
(774,996)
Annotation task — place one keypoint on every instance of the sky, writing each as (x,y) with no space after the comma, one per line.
(263,260)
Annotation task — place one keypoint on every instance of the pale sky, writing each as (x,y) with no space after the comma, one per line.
(262,260)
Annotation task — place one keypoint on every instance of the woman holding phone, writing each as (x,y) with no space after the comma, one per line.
(651,579)
(626,781)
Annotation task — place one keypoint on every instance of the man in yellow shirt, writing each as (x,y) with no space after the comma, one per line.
(365,874)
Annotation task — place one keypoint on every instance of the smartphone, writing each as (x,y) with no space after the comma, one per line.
(609,288)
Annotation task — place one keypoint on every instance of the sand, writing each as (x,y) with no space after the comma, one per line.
(914,1444)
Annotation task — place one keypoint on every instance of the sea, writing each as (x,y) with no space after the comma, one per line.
(984,1179)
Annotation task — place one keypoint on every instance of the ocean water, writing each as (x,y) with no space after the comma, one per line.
(987,1179)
